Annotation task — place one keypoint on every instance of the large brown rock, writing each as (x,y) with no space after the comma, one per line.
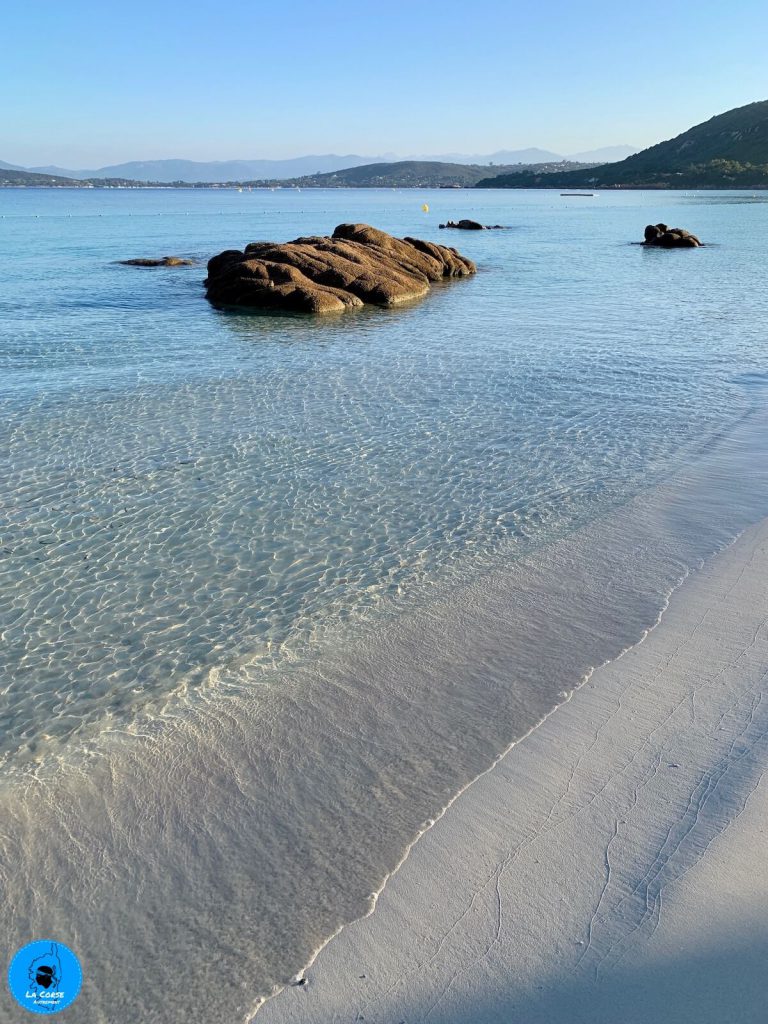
(357,265)
(670,238)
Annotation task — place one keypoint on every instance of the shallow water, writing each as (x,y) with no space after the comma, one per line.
(273,590)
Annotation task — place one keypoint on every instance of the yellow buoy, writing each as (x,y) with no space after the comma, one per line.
(425,208)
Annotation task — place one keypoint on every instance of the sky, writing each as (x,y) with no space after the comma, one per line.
(87,84)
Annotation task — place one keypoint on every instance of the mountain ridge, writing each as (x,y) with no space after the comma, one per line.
(729,150)
(400,174)
(409,174)
(219,171)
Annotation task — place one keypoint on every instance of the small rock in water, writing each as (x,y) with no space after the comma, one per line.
(159,261)
(670,238)
(470,225)
(464,225)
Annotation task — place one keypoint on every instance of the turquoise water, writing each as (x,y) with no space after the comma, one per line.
(186,486)
(273,589)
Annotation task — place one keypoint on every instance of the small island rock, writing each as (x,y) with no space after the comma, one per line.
(670,238)
(470,225)
(356,266)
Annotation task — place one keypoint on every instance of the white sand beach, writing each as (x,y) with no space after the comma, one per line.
(611,868)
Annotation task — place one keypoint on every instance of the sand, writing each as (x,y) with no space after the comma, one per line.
(611,868)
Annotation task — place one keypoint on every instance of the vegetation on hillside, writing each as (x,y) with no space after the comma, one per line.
(728,151)
(416,174)
(32,179)
(403,174)
(9,177)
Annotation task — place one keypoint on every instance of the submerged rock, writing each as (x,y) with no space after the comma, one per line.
(357,265)
(159,261)
(670,238)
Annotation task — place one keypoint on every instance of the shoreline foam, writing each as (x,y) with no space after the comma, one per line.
(301,975)
(458,936)
(260,822)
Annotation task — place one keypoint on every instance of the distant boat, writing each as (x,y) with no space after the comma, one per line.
(592,195)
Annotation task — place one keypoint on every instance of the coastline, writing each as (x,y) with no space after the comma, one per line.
(609,862)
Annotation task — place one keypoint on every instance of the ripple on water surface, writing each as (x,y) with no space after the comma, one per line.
(360,557)
(186,487)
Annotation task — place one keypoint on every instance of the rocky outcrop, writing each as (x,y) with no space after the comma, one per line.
(159,261)
(357,265)
(670,238)
(470,225)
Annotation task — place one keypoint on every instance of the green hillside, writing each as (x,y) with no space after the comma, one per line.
(16,178)
(412,174)
(728,151)
(10,178)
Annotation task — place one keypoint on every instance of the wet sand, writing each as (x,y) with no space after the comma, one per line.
(610,867)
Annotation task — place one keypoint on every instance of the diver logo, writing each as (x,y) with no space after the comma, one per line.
(45,976)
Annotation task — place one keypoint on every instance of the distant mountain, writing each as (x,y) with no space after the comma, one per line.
(216,171)
(196,172)
(410,174)
(728,151)
(275,170)
(501,156)
(53,169)
(606,155)
(12,178)
(535,156)
(10,167)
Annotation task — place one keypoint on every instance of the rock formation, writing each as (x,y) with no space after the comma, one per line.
(669,238)
(470,225)
(158,261)
(357,265)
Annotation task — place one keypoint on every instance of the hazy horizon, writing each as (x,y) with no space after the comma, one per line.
(387,156)
(109,84)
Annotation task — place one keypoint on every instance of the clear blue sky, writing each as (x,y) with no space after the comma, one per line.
(90,83)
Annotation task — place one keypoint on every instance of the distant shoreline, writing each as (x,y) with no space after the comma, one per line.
(235,187)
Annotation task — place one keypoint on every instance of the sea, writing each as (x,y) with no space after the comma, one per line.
(274,590)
